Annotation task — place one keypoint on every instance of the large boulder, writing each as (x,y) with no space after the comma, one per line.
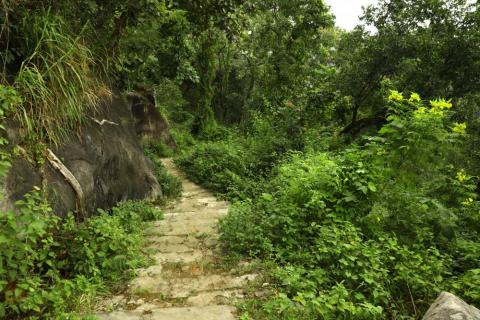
(150,125)
(449,307)
(96,168)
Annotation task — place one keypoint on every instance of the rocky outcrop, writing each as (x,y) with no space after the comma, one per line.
(104,158)
(449,307)
(150,125)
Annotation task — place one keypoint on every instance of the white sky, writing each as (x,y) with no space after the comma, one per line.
(347,11)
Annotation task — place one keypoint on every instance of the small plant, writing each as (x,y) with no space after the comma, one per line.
(160,149)
(9,101)
(171,185)
(223,167)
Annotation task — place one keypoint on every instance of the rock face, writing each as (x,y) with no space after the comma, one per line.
(150,125)
(105,158)
(449,307)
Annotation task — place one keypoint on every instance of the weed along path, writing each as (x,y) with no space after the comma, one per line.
(187,281)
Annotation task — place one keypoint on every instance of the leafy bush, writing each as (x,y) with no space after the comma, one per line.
(372,231)
(183,138)
(47,266)
(171,185)
(138,211)
(159,149)
(215,164)
(235,165)
(171,101)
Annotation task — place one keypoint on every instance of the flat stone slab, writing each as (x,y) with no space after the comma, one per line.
(187,227)
(182,244)
(195,193)
(186,313)
(179,257)
(179,288)
(202,214)
(192,204)
(222,297)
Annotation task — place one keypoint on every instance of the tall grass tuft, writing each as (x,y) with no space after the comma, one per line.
(56,81)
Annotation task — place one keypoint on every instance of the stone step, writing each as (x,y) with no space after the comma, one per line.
(195,192)
(186,227)
(180,257)
(172,287)
(219,297)
(217,312)
(181,244)
(196,206)
(144,301)
(211,215)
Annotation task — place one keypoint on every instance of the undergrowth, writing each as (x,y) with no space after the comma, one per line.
(236,165)
(50,267)
(374,230)
(171,185)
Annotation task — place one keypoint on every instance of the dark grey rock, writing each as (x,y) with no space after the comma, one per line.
(449,307)
(150,125)
(20,180)
(106,159)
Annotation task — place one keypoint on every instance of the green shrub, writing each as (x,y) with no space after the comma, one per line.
(47,266)
(235,166)
(170,98)
(183,138)
(221,166)
(244,231)
(108,244)
(466,285)
(159,149)
(27,258)
(138,211)
(271,138)
(171,185)
(376,230)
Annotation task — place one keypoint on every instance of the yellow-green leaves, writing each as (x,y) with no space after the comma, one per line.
(459,128)
(415,97)
(441,104)
(462,176)
(420,111)
(395,96)
(437,107)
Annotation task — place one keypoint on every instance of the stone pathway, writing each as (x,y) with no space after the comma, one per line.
(187,281)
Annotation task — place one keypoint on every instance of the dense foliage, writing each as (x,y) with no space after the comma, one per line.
(374,230)
(351,157)
(49,266)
